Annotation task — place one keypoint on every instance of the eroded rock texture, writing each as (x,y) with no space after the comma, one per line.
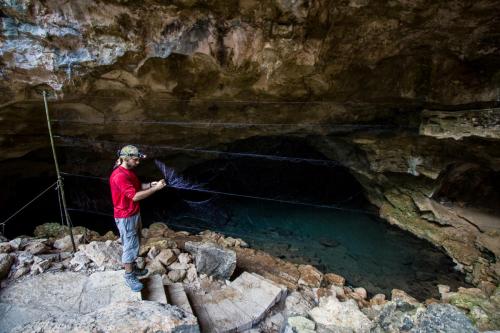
(114,67)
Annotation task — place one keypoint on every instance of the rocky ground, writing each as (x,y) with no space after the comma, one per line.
(314,301)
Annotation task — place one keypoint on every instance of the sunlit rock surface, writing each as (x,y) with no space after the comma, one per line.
(373,66)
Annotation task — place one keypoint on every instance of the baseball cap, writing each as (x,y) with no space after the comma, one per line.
(130,151)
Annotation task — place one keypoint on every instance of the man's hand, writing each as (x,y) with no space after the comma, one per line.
(158,185)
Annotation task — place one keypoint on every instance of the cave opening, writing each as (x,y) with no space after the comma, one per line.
(311,213)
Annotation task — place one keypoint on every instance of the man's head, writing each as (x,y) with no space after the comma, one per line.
(130,156)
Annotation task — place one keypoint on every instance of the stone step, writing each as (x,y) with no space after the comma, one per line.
(237,307)
(206,324)
(153,289)
(284,289)
(177,296)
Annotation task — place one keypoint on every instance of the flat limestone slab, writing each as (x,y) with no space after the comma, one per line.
(224,315)
(257,290)
(237,307)
(154,290)
(35,297)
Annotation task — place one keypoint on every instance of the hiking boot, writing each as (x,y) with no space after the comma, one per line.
(132,281)
(139,272)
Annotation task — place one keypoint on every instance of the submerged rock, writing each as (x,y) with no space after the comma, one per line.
(212,259)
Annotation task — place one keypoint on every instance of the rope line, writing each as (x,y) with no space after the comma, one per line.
(29,203)
(291,202)
(231,124)
(208,151)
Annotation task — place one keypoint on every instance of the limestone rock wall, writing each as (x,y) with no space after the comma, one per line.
(114,67)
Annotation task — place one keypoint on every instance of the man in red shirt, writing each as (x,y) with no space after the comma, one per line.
(126,192)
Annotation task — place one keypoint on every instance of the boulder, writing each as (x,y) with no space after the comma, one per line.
(361,292)
(5,247)
(444,318)
(6,261)
(184,258)
(157,229)
(301,324)
(297,304)
(79,261)
(400,295)
(154,266)
(333,279)
(191,274)
(125,317)
(56,230)
(397,316)
(166,257)
(64,244)
(36,246)
(336,316)
(18,243)
(211,259)
(176,275)
(310,276)
(104,254)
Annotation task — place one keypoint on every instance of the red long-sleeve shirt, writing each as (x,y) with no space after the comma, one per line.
(124,185)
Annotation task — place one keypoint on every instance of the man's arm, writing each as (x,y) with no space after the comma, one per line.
(146,193)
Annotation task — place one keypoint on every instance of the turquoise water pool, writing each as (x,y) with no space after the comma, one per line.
(364,249)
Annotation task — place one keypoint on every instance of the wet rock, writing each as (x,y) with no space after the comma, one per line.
(166,257)
(65,244)
(333,279)
(361,292)
(310,276)
(336,316)
(212,259)
(400,295)
(6,261)
(444,318)
(104,254)
(5,247)
(141,316)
